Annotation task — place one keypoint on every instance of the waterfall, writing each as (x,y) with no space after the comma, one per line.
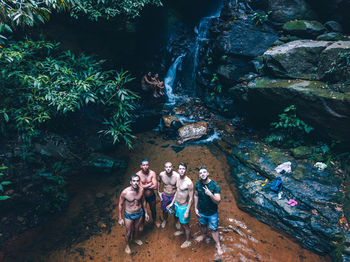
(170,79)
(202,31)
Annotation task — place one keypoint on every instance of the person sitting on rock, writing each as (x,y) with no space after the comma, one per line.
(147,84)
(158,85)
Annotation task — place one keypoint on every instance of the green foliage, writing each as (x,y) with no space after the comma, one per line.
(3,183)
(260,18)
(210,60)
(39,82)
(290,130)
(289,122)
(55,196)
(107,9)
(340,68)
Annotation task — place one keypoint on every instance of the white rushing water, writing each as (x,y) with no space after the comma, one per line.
(170,79)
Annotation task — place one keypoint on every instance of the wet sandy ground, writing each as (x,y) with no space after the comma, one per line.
(244,238)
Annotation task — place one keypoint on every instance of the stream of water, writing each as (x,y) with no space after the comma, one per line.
(244,238)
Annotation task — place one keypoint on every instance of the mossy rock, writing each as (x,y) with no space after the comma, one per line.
(301,152)
(332,36)
(304,28)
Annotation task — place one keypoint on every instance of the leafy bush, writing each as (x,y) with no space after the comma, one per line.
(3,183)
(290,130)
(260,18)
(96,9)
(39,82)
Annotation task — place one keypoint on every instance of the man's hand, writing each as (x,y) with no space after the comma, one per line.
(146,217)
(121,221)
(186,214)
(197,212)
(160,194)
(207,191)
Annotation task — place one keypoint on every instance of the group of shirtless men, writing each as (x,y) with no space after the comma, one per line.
(177,197)
(152,83)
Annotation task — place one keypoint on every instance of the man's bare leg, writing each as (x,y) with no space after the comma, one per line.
(136,231)
(204,231)
(152,206)
(128,225)
(187,229)
(165,218)
(215,235)
(177,223)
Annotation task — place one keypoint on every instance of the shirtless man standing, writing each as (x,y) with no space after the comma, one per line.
(135,205)
(169,179)
(183,200)
(149,183)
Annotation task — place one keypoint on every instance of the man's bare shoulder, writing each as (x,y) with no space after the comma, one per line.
(125,191)
(176,174)
(152,173)
(161,174)
(189,181)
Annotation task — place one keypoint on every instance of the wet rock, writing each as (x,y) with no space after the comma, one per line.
(100,163)
(297,59)
(332,36)
(304,28)
(333,26)
(192,132)
(301,152)
(286,10)
(168,119)
(244,38)
(330,56)
(313,189)
(326,110)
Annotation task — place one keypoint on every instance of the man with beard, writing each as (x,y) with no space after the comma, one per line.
(135,207)
(149,183)
(169,179)
(183,201)
(206,200)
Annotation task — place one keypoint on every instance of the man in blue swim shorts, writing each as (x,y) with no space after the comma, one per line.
(183,201)
(135,208)
(206,200)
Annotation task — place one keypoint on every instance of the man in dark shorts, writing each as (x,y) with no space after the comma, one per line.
(135,208)
(149,183)
(206,200)
(169,178)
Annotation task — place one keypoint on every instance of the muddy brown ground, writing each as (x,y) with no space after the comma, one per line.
(248,240)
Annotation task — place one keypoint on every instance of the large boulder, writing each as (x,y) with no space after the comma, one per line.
(320,194)
(317,103)
(192,132)
(286,10)
(304,28)
(334,62)
(332,36)
(333,26)
(297,59)
(243,38)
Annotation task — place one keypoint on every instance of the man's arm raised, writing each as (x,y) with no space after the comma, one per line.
(216,198)
(120,208)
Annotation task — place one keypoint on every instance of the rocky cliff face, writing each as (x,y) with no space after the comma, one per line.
(263,56)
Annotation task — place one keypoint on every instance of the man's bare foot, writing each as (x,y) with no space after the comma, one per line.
(163,224)
(178,233)
(186,244)
(157,224)
(178,226)
(219,250)
(200,238)
(138,241)
(127,249)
